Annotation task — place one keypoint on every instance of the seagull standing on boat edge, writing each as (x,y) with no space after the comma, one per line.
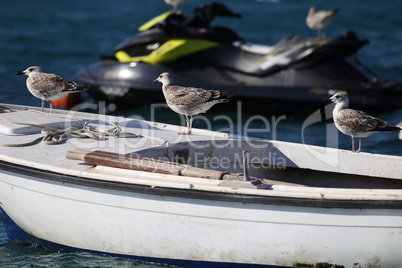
(190,101)
(320,19)
(356,123)
(47,86)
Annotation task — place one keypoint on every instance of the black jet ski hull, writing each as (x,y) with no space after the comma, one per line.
(129,85)
(292,77)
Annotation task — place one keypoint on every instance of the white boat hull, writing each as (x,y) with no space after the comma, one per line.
(184,231)
(302,205)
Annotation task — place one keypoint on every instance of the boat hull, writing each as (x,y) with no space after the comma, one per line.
(192,228)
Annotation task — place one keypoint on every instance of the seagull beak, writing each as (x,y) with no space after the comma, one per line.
(327,101)
(156,80)
(19,73)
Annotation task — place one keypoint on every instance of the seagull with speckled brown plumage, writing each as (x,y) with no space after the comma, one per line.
(356,123)
(48,86)
(190,101)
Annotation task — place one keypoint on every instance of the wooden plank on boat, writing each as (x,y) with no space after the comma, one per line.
(143,164)
(125,161)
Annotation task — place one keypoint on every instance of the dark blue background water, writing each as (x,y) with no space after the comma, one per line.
(64,36)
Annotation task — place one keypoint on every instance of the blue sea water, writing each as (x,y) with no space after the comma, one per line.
(64,36)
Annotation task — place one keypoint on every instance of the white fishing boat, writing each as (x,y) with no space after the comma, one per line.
(140,190)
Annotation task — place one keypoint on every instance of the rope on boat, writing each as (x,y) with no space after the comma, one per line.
(57,136)
(116,130)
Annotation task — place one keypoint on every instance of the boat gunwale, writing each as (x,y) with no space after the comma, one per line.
(199,194)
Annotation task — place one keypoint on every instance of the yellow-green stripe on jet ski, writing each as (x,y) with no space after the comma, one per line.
(169,51)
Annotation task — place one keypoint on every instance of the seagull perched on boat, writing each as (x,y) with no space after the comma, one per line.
(190,101)
(400,133)
(320,19)
(356,123)
(47,86)
(175,3)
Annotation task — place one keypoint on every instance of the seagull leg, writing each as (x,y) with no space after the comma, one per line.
(50,103)
(190,123)
(187,126)
(360,145)
(43,105)
(353,145)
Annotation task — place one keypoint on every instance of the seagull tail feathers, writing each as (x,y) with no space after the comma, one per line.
(73,87)
(386,128)
(83,88)
(86,86)
(391,128)
(226,94)
(335,11)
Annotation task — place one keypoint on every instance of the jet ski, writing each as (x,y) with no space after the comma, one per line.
(291,77)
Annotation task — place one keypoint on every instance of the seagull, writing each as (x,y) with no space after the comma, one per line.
(400,133)
(320,19)
(356,123)
(47,86)
(190,101)
(175,3)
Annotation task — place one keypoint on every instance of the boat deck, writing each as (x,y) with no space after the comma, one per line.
(275,168)
(148,193)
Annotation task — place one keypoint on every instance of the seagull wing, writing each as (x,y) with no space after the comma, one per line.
(190,95)
(50,82)
(361,121)
(64,85)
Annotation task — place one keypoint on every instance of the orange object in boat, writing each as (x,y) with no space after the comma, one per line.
(68,101)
